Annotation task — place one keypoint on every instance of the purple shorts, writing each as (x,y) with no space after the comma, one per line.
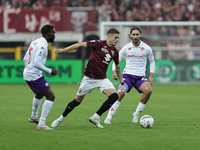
(39,85)
(134,81)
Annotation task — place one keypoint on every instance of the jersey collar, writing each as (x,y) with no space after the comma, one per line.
(44,40)
(140,46)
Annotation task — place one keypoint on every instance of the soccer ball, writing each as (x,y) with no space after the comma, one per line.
(146,121)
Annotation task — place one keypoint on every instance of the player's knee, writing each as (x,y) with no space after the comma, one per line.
(113,97)
(51,97)
(148,91)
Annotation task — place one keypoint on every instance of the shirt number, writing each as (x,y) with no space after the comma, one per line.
(107,58)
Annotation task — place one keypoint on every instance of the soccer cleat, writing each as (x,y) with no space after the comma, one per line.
(43,127)
(55,123)
(135,118)
(107,121)
(96,122)
(31,120)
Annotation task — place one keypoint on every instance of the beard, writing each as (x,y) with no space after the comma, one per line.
(51,39)
(135,40)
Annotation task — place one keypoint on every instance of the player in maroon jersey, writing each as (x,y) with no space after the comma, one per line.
(103,51)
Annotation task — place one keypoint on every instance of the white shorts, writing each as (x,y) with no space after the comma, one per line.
(88,84)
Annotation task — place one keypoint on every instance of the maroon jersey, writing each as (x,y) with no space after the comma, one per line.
(100,57)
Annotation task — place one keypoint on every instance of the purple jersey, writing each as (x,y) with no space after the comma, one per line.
(100,57)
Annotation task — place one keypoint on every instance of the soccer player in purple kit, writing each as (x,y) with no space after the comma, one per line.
(137,52)
(103,51)
(34,60)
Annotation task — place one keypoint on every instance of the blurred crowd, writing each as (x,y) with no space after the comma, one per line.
(129,10)
(123,10)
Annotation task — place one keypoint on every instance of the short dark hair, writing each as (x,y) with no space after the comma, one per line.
(135,28)
(112,31)
(46,28)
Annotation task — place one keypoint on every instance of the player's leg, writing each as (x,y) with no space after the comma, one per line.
(112,97)
(115,106)
(71,105)
(146,89)
(85,87)
(107,88)
(47,105)
(36,105)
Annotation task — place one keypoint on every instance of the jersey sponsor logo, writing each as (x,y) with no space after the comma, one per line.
(136,56)
(42,47)
(104,50)
(129,48)
(142,48)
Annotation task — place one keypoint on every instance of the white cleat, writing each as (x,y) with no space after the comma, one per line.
(135,118)
(55,123)
(33,120)
(43,127)
(107,121)
(96,122)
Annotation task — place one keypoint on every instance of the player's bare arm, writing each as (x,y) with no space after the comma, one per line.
(115,77)
(120,76)
(71,47)
(151,81)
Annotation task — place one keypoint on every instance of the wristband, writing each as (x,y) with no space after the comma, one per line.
(122,83)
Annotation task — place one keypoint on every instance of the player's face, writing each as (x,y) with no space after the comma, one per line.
(135,36)
(114,38)
(52,35)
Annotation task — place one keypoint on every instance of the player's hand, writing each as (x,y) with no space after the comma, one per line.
(123,89)
(58,51)
(54,71)
(115,77)
(151,81)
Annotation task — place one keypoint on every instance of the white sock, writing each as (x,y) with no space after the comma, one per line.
(45,111)
(140,108)
(35,107)
(112,110)
(96,116)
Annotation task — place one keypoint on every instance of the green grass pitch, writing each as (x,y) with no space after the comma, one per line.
(175,109)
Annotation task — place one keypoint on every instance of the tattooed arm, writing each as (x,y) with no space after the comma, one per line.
(119,74)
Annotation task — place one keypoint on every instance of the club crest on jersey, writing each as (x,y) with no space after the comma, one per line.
(112,52)
(142,48)
(46,84)
(129,48)
(42,47)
